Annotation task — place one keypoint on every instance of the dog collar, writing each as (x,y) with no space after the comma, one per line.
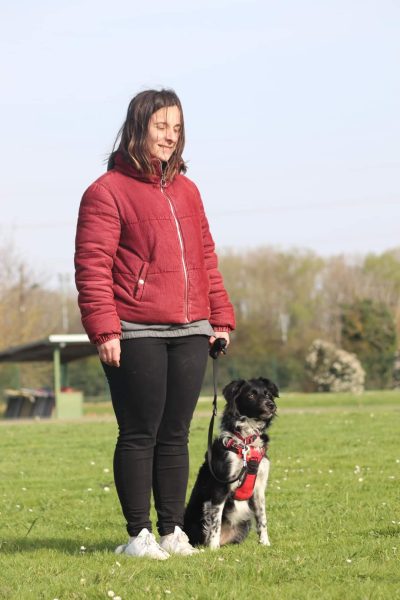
(247,440)
(245,451)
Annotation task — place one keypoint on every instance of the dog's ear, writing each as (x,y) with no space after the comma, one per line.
(271,387)
(231,392)
(233,388)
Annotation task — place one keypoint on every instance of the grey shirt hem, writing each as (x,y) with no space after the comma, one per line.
(139,330)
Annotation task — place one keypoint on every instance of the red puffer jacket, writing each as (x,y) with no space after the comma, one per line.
(144,254)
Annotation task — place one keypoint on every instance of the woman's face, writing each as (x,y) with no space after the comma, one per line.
(163,132)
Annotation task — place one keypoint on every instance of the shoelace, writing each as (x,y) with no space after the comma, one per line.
(149,540)
(182,537)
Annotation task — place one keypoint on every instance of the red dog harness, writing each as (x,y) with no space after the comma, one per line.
(251,460)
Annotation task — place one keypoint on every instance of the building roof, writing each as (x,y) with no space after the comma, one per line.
(72,347)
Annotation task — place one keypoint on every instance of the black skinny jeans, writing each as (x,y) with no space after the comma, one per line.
(154,393)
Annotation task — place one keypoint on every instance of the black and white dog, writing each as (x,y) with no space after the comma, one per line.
(220,513)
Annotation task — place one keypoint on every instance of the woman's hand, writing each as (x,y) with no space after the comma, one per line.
(219,334)
(110,352)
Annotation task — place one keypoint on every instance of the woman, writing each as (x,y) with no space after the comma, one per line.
(152,300)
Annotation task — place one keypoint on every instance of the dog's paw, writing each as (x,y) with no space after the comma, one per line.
(214,545)
(264,539)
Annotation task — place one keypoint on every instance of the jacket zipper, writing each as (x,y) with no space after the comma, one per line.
(179,232)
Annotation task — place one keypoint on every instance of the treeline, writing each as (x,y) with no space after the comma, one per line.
(284,300)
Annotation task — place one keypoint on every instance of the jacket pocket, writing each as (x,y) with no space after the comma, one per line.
(141,282)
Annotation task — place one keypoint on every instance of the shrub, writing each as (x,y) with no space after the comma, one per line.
(334,370)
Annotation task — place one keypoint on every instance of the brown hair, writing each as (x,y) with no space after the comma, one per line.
(133,133)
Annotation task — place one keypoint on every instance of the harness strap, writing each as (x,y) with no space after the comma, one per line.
(246,488)
(251,461)
(246,440)
(242,450)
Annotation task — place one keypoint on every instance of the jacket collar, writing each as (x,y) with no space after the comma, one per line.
(119,163)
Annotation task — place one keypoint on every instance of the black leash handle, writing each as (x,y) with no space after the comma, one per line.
(218,346)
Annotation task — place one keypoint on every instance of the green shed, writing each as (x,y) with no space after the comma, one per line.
(60,349)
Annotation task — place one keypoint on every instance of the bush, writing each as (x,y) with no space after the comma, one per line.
(334,370)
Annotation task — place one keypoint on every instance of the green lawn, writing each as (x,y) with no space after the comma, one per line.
(300,402)
(333,499)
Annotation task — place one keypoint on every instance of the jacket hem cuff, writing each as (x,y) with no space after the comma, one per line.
(105,337)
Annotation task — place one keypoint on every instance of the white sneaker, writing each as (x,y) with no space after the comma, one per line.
(143,544)
(177,543)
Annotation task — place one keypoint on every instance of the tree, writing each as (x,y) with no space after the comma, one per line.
(28,311)
(275,299)
(369,331)
(384,270)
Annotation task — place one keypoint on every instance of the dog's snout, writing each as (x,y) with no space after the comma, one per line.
(270,404)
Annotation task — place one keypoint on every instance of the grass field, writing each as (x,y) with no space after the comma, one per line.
(333,505)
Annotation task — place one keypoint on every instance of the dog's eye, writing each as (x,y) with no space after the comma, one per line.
(251,396)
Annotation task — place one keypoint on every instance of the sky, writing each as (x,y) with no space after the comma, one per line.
(291,115)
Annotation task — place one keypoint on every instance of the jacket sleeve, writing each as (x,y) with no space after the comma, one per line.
(97,237)
(222,313)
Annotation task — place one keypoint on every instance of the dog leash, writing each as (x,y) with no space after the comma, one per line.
(218,346)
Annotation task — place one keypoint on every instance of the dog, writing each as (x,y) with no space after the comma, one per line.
(219,512)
